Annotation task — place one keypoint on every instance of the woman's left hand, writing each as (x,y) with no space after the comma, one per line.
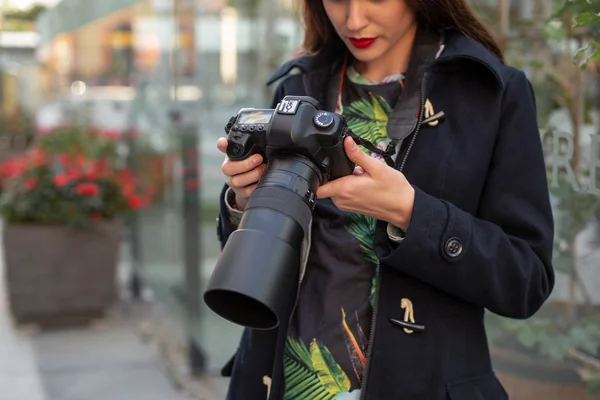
(375,189)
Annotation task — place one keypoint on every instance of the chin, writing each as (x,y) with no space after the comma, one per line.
(366,55)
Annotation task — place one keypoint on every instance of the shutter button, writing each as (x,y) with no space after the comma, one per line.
(453,247)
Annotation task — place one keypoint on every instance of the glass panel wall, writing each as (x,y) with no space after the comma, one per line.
(238,46)
(171,73)
(555,354)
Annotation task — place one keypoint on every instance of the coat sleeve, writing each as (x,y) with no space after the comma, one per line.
(500,258)
(226,222)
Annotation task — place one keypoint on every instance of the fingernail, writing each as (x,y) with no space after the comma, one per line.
(353,145)
(257,160)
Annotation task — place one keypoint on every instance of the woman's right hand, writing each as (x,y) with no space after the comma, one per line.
(241,176)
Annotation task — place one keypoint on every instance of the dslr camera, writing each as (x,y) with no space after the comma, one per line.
(255,281)
(296,126)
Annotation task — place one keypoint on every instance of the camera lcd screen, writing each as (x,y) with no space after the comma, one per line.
(255,117)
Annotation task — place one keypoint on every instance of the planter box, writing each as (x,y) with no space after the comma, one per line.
(60,275)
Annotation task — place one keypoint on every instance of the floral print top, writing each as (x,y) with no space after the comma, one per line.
(326,350)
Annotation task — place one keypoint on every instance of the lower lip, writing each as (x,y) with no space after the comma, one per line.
(362,43)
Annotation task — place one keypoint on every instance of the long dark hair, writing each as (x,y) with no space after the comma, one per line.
(441,14)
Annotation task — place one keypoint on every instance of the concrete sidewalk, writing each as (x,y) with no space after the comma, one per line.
(107,360)
(19,375)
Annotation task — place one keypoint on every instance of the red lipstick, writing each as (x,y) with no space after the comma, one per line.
(362,43)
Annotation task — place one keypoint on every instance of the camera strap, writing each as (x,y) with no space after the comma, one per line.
(387,154)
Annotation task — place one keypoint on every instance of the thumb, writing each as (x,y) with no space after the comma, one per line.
(222,144)
(362,159)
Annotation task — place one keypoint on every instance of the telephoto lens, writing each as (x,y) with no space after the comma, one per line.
(255,281)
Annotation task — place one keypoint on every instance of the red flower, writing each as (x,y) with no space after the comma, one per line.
(100,166)
(92,175)
(128,182)
(126,176)
(64,159)
(128,189)
(111,134)
(61,180)
(136,202)
(96,170)
(73,174)
(37,157)
(87,189)
(29,184)
(79,161)
(13,168)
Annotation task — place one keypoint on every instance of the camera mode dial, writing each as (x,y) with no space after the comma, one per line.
(323,120)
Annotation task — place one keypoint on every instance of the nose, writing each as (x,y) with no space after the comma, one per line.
(356,18)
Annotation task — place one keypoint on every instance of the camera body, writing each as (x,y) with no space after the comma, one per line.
(296,126)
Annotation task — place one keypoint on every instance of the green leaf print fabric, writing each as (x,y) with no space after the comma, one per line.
(326,350)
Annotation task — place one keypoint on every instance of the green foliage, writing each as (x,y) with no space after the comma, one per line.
(552,337)
(245,7)
(29,14)
(78,141)
(582,15)
(573,212)
(590,51)
(20,20)
(545,94)
(594,386)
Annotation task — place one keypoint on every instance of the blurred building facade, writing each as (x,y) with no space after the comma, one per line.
(174,71)
(20,77)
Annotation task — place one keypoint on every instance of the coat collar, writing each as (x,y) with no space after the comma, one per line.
(455,46)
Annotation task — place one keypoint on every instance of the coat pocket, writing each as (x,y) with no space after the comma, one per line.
(486,387)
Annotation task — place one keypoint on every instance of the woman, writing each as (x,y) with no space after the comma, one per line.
(403,261)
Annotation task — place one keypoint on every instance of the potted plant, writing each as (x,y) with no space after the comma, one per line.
(62,204)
